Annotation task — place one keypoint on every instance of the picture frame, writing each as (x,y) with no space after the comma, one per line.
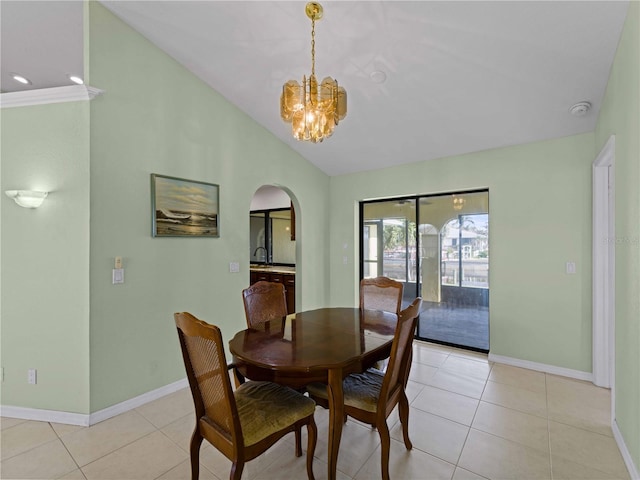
(184,208)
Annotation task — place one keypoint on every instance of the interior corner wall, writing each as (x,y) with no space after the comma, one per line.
(539,219)
(156,117)
(45,257)
(620,116)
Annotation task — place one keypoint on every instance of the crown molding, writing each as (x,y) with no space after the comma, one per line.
(43,96)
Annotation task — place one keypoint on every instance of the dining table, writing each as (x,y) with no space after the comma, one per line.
(323,345)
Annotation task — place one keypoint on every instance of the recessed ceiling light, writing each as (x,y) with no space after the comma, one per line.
(76,79)
(21,79)
(580,109)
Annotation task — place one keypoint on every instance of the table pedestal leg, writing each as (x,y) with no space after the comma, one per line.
(336,418)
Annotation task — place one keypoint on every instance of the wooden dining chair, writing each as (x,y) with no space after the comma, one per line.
(244,423)
(264,301)
(370,396)
(381,293)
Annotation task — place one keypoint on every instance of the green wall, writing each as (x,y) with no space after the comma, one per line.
(45,257)
(620,116)
(156,117)
(540,218)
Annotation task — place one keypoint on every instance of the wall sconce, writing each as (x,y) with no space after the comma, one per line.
(27,198)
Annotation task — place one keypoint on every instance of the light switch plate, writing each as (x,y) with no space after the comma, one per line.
(234,267)
(117,276)
(571,268)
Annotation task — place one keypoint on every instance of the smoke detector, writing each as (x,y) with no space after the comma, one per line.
(580,109)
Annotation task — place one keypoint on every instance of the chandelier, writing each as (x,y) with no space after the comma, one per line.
(458,202)
(313,110)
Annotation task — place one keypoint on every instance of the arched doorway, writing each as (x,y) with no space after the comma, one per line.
(272,240)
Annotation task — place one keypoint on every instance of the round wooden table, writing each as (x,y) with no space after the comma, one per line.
(323,345)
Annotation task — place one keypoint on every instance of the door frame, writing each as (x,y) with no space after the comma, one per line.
(603,278)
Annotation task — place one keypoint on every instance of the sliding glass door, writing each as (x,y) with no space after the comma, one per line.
(438,247)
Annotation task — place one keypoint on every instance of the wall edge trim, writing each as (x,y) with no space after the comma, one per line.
(138,401)
(542,367)
(624,451)
(55,416)
(85,420)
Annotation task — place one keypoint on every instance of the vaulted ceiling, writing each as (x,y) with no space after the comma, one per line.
(424,79)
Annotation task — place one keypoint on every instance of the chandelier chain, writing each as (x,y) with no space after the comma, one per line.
(313,47)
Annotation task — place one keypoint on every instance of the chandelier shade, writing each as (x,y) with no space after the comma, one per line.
(313,110)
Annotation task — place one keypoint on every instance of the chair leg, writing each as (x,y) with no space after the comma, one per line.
(298,441)
(403,410)
(194,449)
(236,470)
(385,446)
(312,433)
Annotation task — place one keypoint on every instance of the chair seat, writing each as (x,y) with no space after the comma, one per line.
(265,408)
(361,390)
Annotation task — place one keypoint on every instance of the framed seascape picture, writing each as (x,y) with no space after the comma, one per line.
(184,208)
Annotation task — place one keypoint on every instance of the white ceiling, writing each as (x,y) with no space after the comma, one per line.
(460,76)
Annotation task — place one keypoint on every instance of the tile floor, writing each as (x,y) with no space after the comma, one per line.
(470,419)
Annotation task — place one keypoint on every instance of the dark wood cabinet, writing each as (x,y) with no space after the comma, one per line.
(287,279)
(290,291)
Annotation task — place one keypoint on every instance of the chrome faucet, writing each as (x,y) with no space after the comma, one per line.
(265,253)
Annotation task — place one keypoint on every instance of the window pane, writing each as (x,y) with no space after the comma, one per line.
(475,250)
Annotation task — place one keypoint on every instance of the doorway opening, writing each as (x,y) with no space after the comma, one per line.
(438,247)
(272,240)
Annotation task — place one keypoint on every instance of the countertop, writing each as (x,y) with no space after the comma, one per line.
(272,269)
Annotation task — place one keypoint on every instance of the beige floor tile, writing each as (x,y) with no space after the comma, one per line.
(146,458)
(495,457)
(357,444)
(181,430)
(518,377)
(580,404)
(513,425)
(534,403)
(220,465)
(6,422)
(89,444)
(422,373)
(75,475)
(25,436)
(413,390)
(472,367)
(435,435)
(287,465)
(169,408)
(567,470)
(50,460)
(443,403)
(406,464)
(63,429)
(458,383)
(183,472)
(599,452)
(428,356)
(461,352)
(462,474)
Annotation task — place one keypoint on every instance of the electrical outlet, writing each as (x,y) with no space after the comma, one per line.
(32,376)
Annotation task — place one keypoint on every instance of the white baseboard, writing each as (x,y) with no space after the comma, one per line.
(542,367)
(93,418)
(40,415)
(624,451)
